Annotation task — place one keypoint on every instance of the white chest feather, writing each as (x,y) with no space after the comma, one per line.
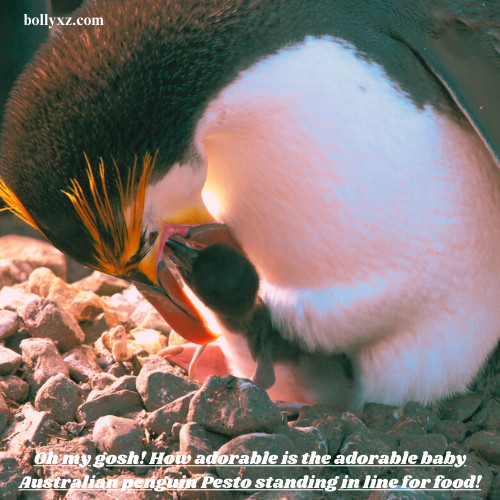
(375,226)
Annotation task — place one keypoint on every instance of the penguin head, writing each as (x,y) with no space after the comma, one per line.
(96,141)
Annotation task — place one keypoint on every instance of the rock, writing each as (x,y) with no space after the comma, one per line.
(44,318)
(233,406)
(8,324)
(43,360)
(413,409)
(30,428)
(60,397)
(117,435)
(409,426)
(329,423)
(259,443)
(162,419)
(149,340)
(159,383)
(4,413)
(27,254)
(486,444)
(102,380)
(489,416)
(452,430)
(353,425)
(118,403)
(379,416)
(194,440)
(12,471)
(364,445)
(10,361)
(13,299)
(83,306)
(81,367)
(435,444)
(460,408)
(76,467)
(101,284)
(14,388)
(307,440)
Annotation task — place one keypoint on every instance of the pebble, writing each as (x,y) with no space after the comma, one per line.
(8,324)
(162,419)
(159,383)
(117,435)
(486,444)
(44,318)
(43,360)
(12,471)
(195,440)
(60,397)
(10,361)
(4,413)
(81,367)
(241,407)
(117,403)
(12,299)
(460,408)
(435,444)
(30,428)
(14,388)
(379,416)
(489,416)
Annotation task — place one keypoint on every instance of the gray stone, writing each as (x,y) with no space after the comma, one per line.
(14,388)
(117,403)
(409,426)
(435,444)
(460,408)
(327,420)
(60,397)
(102,380)
(379,416)
(194,440)
(488,417)
(8,323)
(43,360)
(117,435)
(159,383)
(263,445)
(12,472)
(365,445)
(30,428)
(452,430)
(4,413)
(81,367)
(44,318)
(486,444)
(233,406)
(162,419)
(10,361)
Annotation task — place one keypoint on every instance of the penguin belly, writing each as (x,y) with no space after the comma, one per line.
(373,223)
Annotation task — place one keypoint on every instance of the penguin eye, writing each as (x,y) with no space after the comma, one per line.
(152,237)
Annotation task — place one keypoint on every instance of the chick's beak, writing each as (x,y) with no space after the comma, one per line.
(166,294)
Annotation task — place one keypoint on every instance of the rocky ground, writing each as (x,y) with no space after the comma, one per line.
(79,376)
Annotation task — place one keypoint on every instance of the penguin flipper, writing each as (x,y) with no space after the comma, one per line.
(464,54)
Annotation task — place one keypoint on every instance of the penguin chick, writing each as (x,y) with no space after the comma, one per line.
(227,283)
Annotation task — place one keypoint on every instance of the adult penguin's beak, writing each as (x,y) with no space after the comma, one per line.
(167,294)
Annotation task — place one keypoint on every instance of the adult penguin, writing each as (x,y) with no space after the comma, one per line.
(351,148)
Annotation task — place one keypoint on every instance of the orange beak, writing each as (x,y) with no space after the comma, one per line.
(168,297)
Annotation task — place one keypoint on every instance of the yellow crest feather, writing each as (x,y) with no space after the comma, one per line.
(14,205)
(121,224)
